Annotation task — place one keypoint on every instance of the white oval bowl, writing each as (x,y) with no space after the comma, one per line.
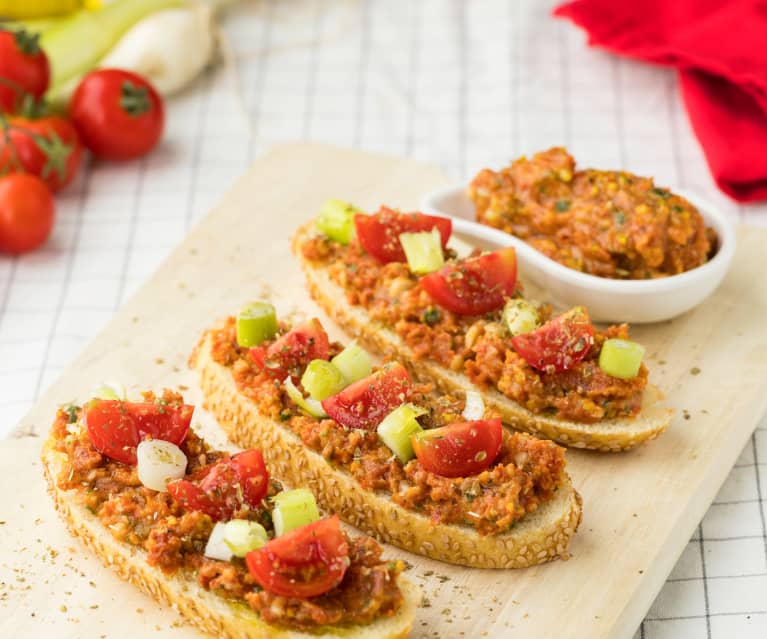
(607,300)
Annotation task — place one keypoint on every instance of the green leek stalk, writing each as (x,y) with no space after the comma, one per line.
(77,42)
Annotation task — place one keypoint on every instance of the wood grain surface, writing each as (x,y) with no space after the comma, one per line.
(640,508)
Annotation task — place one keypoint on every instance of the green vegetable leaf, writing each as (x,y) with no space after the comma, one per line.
(562,206)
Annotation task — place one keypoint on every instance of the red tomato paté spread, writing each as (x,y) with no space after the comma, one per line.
(476,345)
(607,223)
(526,473)
(175,538)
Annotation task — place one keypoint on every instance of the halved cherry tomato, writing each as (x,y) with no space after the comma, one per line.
(289,354)
(225,486)
(461,449)
(379,234)
(305,562)
(559,344)
(475,285)
(116,428)
(24,69)
(365,403)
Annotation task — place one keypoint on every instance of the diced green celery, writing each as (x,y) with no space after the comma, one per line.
(336,220)
(423,251)
(398,427)
(243,536)
(520,316)
(293,509)
(321,379)
(621,358)
(256,322)
(353,362)
(311,406)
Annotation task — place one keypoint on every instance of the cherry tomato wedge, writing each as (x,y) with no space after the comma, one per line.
(379,234)
(559,344)
(365,403)
(225,486)
(461,449)
(116,428)
(475,285)
(305,562)
(289,354)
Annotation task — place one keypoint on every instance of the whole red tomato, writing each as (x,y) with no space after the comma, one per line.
(48,147)
(26,213)
(118,114)
(24,68)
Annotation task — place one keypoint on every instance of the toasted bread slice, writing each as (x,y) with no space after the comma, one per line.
(205,610)
(611,435)
(538,537)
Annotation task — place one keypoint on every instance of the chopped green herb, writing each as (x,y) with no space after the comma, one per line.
(71,411)
(661,193)
(431,316)
(562,206)
(620,218)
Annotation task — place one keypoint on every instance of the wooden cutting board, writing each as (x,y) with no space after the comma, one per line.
(640,508)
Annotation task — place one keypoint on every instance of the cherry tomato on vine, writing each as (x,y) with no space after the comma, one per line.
(118,114)
(48,147)
(24,69)
(26,213)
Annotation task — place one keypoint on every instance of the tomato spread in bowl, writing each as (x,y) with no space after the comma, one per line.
(610,224)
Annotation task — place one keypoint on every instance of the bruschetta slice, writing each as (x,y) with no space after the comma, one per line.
(210,533)
(390,280)
(433,474)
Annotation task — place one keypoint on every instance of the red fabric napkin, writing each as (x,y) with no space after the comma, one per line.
(720,50)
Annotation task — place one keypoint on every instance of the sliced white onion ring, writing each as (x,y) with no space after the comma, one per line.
(475,406)
(159,462)
(217,548)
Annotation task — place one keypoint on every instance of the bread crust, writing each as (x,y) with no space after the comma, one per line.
(205,610)
(538,537)
(613,435)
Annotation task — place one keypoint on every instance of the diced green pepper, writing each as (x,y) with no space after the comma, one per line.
(621,358)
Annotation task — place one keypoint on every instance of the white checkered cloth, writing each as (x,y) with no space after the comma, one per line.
(462,84)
